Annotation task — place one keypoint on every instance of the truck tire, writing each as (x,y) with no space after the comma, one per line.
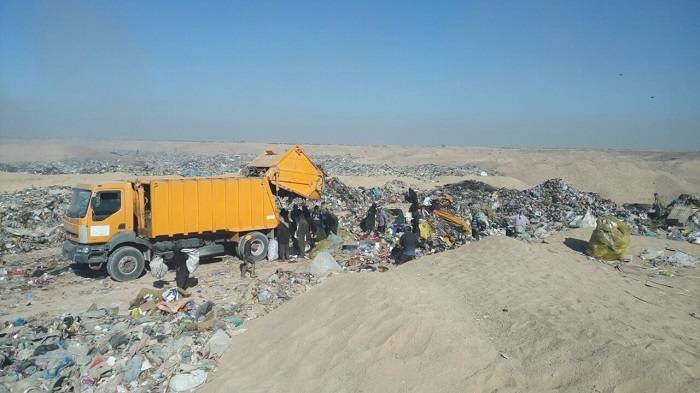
(252,247)
(125,263)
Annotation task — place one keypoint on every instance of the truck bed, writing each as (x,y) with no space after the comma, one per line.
(200,205)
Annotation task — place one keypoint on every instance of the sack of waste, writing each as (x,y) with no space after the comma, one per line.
(610,239)
(273,252)
(323,265)
(158,268)
(192,258)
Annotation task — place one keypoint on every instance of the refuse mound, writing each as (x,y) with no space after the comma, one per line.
(32,218)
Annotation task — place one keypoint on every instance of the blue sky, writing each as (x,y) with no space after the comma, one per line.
(491,73)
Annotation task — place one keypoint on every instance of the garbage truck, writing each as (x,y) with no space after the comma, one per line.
(123,225)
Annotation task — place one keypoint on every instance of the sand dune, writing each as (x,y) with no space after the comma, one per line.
(440,324)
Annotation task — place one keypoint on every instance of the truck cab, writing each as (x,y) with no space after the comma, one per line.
(98,214)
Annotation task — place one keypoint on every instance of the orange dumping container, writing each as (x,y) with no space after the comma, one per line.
(292,171)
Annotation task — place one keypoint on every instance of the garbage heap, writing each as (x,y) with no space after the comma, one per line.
(551,207)
(349,166)
(138,163)
(679,221)
(168,163)
(166,342)
(31,218)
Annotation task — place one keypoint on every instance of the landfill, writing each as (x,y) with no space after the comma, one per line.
(167,340)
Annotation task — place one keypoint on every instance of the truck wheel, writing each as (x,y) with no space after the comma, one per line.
(125,263)
(252,247)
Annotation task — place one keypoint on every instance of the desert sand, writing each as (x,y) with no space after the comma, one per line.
(496,315)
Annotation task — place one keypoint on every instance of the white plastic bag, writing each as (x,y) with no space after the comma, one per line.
(588,220)
(192,258)
(158,268)
(323,265)
(272,250)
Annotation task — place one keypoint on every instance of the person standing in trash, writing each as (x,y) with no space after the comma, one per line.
(659,206)
(302,235)
(317,219)
(475,227)
(182,274)
(293,218)
(282,235)
(330,222)
(382,220)
(521,223)
(370,219)
(415,216)
(407,244)
(412,197)
(306,213)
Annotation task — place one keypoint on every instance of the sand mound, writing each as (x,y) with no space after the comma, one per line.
(439,325)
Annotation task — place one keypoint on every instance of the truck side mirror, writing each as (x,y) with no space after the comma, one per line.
(95,201)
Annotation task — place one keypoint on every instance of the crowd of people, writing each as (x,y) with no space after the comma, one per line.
(301,228)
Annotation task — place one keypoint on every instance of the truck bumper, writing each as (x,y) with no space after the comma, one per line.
(84,253)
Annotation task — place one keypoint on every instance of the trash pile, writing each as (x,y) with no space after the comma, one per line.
(147,163)
(679,221)
(168,341)
(349,166)
(20,279)
(139,163)
(551,206)
(658,258)
(31,218)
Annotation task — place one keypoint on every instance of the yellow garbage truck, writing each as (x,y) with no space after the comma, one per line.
(125,224)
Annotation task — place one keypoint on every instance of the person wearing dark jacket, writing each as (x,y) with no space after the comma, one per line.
(370,219)
(302,235)
(330,222)
(182,274)
(407,246)
(293,216)
(317,219)
(282,234)
(306,213)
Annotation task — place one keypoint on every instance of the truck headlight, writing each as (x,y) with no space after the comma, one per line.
(82,250)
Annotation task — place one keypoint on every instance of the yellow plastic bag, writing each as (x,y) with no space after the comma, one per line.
(426,230)
(610,239)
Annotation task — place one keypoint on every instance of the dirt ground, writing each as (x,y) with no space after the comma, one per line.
(497,315)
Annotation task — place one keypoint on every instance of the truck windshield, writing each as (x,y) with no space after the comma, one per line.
(78,203)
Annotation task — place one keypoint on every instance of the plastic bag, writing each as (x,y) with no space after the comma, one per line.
(426,230)
(186,382)
(585,221)
(272,250)
(158,268)
(192,259)
(610,239)
(323,265)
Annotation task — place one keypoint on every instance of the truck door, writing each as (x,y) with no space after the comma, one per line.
(108,215)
